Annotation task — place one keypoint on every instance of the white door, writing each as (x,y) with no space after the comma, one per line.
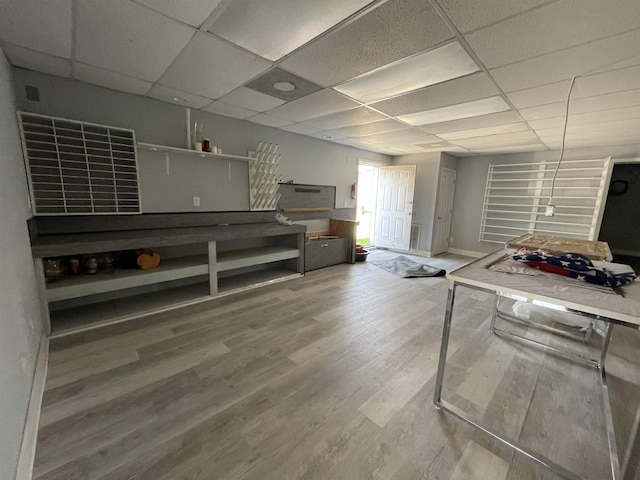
(394,206)
(444,207)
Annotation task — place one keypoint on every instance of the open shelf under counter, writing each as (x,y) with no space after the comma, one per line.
(251,280)
(86,317)
(84,285)
(165,149)
(248,257)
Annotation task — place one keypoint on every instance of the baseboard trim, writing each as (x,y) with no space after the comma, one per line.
(421,253)
(30,434)
(466,253)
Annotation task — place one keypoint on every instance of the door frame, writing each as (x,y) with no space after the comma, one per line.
(435,210)
(414,170)
(377,166)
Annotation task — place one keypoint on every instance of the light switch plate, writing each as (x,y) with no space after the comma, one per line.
(196,201)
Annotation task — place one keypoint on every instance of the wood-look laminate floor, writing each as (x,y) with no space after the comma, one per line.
(329,376)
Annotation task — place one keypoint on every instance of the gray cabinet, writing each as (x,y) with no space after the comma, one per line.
(321,253)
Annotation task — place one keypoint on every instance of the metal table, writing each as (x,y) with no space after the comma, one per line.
(613,309)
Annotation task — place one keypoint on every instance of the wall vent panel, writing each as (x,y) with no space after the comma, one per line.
(79,168)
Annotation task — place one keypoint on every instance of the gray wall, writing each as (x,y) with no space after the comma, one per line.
(304,159)
(471,182)
(424,198)
(20,315)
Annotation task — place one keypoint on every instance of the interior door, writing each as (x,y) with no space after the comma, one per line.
(394,206)
(444,207)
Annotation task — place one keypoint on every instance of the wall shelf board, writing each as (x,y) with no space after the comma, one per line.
(165,149)
(169,269)
(233,259)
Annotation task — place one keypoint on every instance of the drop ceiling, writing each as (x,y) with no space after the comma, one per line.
(395,76)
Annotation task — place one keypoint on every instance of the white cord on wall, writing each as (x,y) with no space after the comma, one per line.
(550,207)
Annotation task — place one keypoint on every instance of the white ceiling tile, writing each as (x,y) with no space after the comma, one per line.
(590,141)
(233,111)
(211,67)
(268,120)
(355,116)
(318,104)
(493,119)
(512,149)
(612,128)
(170,95)
(42,26)
(447,149)
(409,149)
(454,112)
(124,37)
(326,135)
(193,12)
(41,62)
(552,27)
(115,81)
(370,128)
(401,137)
(274,29)
(248,98)
(481,132)
(565,64)
(468,15)
(583,105)
(504,140)
(435,66)
(393,30)
(589,86)
(352,142)
(300,128)
(464,89)
(627,113)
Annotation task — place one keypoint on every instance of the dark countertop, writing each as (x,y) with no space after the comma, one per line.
(96,242)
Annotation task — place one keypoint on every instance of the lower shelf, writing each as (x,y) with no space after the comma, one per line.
(247,281)
(84,317)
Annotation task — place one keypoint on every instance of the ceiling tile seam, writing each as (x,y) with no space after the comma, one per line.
(586,75)
(159,81)
(472,54)
(217,13)
(74,36)
(33,50)
(398,62)
(338,26)
(522,60)
(183,92)
(418,90)
(161,13)
(510,17)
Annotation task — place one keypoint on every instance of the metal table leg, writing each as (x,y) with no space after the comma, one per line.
(631,457)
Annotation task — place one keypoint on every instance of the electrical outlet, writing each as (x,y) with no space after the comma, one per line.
(196,201)
(450,239)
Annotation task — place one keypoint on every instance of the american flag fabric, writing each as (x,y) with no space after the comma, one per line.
(574,265)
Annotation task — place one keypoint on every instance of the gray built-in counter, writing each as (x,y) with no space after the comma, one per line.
(203,256)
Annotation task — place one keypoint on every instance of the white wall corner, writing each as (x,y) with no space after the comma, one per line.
(30,434)
(466,253)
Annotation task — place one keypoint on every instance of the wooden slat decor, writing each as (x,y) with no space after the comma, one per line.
(79,168)
(517,194)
